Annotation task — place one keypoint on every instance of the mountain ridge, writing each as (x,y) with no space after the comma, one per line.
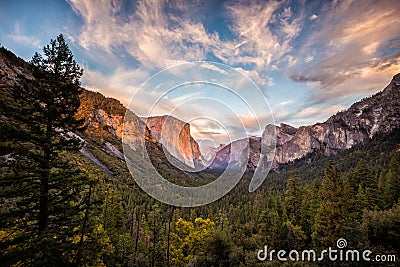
(105,117)
(361,121)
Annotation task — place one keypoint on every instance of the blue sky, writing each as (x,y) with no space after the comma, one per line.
(309,58)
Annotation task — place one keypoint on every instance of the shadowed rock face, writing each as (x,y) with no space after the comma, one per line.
(175,136)
(226,154)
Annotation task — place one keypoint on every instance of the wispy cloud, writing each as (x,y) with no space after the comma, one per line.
(257,42)
(208,129)
(357,50)
(158,39)
(121,84)
(307,115)
(150,35)
(212,67)
(26,40)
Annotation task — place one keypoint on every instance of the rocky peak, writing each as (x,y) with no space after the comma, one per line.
(288,129)
(175,136)
(396,79)
(235,151)
(284,133)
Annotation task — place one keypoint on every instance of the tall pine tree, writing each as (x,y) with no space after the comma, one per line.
(40,183)
(334,209)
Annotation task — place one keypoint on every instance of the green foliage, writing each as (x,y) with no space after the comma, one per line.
(382,229)
(293,199)
(335,208)
(391,185)
(189,240)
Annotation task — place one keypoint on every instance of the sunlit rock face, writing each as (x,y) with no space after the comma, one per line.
(113,122)
(175,136)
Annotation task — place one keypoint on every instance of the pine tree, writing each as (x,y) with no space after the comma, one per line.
(42,183)
(334,209)
(363,184)
(293,199)
(392,182)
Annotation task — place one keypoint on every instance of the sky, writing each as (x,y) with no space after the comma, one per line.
(309,59)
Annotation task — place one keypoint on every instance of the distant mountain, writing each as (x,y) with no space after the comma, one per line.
(208,153)
(379,113)
(225,154)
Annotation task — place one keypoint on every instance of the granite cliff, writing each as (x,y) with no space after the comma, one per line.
(175,136)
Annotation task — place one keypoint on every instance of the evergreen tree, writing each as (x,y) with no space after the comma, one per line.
(363,183)
(334,209)
(392,182)
(218,249)
(42,183)
(293,199)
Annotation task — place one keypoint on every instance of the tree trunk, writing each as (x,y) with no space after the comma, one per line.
(44,187)
(44,203)
(154,237)
(84,223)
(137,231)
(169,236)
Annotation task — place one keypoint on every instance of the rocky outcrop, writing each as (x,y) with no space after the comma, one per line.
(112,122)
(175,136)
(195,148)
(105,119)
(12,69)
(106,116)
